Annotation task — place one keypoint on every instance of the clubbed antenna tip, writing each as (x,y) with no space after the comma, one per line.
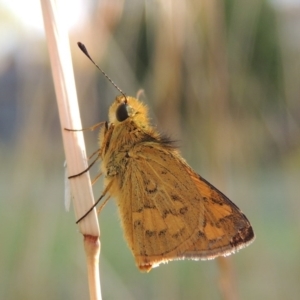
(84,50)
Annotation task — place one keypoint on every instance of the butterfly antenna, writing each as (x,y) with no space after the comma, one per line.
(84,50)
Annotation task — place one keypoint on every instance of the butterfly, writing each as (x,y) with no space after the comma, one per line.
(168,211)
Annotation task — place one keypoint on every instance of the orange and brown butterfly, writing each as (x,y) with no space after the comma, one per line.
(167,210)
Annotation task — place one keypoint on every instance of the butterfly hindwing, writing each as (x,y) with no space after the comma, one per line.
(169,212)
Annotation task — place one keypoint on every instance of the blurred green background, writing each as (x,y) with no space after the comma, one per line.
(221,77)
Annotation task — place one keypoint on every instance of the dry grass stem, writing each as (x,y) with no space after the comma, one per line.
(62,70)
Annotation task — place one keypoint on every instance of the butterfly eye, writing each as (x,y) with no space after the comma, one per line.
(122,112)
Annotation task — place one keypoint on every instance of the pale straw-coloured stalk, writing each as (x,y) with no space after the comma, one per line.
(62,70)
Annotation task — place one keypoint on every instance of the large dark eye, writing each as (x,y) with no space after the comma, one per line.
(122,112)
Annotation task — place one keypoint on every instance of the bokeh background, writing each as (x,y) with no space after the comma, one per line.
(221,77)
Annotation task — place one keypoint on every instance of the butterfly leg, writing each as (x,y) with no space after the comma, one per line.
(88,128)
(84,171)
(96,203)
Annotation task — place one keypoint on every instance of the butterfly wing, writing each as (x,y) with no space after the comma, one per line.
(169,212)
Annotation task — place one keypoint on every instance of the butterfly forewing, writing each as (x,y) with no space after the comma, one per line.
(169,213)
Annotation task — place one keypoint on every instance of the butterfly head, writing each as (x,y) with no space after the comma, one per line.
(127,109)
